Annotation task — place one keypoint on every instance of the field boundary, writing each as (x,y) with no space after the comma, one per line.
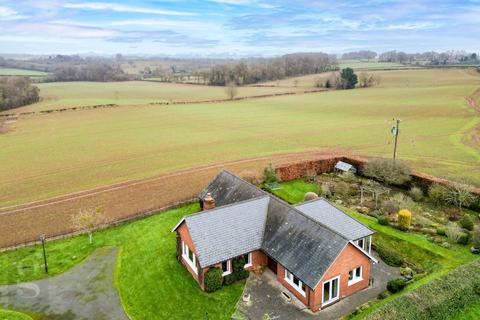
(163,103)
(21,225)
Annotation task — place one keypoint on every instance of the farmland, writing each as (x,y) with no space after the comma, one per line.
(54,154)
(75,94)
(20,72)
(370,65)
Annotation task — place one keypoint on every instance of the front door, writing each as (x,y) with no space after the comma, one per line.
(272,265)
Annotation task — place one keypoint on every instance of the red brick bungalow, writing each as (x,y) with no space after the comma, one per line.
(318,252)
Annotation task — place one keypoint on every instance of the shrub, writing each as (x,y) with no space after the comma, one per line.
(383,220)
(325,190)
(416,193)
(440,299)
(438,193)
(446,245)
(213,279)
(453,232)
(390,206)
(453,214)
(466,223)
(396,285)
(229,279)
(311,176)
(388,256)
(476,237)
(310,196)
(383,295)
(407,272)
(403,201)
(348,177)
(239,268)
(460,194)
(269,174)
(463,238)
(441,231)
(387,170)
(375,213)
(404,219)
(341,188)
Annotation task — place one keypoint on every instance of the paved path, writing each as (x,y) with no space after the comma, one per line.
(265,292)
(84,292)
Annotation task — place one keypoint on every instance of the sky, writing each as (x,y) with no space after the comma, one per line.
(236,27)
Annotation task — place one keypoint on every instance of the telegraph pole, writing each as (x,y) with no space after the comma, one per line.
(42,238)
(395,131)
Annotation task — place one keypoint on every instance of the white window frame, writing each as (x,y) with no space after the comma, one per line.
(186,258)
(355,279)
(289,279)
(249,261)
(366,240)
(229,268)
(331,300)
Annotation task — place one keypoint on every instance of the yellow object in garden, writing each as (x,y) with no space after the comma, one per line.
(404,219)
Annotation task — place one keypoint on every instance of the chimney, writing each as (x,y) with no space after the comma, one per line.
(208,202)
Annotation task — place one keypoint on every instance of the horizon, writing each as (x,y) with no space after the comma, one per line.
(235,28)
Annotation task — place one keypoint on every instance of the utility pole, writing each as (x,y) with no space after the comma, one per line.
(42,238)
(395,131)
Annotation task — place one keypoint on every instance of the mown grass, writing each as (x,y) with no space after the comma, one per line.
(370,65)
(471,313)
(413,247)
(13,315)
(151,282)
(49,155)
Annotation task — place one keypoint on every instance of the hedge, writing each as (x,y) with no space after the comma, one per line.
(437,300)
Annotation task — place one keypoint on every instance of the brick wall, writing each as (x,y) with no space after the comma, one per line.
(185,237)
(349,259)
(281,279)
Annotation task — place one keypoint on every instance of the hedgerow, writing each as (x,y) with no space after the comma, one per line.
(436,300)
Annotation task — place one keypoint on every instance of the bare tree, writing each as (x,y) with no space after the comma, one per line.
(89,220)
(231,90)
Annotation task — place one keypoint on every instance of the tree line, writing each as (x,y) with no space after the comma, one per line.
(253,71)
(16,92)
(97,71)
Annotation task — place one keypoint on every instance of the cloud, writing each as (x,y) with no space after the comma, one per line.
(7,14)
(104,6)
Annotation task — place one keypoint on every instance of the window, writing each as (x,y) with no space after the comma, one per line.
(355,276)
(331,290)
(248,259)
(295,282)
(189,257)
(226,267)
(365,243)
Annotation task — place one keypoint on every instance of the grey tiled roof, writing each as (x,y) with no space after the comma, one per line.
(334,218)
(303,246)
(247,218)
(226,232)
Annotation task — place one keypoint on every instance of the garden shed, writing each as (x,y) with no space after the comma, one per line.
(344,167)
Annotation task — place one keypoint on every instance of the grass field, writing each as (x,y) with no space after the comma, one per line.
(56,95)
(13,315)
(20,72)
(48,155)
(370,65)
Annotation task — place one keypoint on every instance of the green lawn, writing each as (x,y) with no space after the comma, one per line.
(20,72)
(54,154)
(472,313)
(13,315)
(151,282)
(413,247)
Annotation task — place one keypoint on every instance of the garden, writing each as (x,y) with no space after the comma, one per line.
(427,232)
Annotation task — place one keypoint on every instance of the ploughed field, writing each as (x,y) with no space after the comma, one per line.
(52,154)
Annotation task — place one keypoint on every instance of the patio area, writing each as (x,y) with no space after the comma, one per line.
(266,297)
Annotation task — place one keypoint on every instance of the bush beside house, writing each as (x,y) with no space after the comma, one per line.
(213,279)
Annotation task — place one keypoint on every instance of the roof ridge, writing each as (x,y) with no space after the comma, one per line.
(272,196)
(233,204)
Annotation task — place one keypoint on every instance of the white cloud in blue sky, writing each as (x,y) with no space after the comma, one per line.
(242,27)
